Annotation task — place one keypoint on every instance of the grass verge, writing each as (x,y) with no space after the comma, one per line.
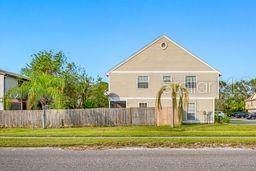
(127,142)
(136,131)
(140,136)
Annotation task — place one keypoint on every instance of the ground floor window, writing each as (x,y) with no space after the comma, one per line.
(191,112)
(143,105)
(118,104)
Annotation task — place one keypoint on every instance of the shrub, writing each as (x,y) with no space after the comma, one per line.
(220,119)
(226,119)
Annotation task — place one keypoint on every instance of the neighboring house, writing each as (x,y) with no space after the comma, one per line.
(10,80)
(136,81)
(250,104)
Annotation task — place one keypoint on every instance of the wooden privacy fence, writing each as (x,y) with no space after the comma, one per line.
(79,117)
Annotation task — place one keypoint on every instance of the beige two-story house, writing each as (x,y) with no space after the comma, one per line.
(136,81)
(250,104)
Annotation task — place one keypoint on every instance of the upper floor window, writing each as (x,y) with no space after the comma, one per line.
(142,81)
(190,81)
(167,79)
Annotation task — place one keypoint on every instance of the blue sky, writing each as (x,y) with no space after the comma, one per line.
(99,34)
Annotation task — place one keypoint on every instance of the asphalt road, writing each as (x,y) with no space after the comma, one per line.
(127,159)
(242,121)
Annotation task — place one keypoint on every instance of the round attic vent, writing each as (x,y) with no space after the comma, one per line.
(163,45)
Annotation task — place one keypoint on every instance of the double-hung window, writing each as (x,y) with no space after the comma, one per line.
(166,79)
(191,112)
(142,81)
(190,82)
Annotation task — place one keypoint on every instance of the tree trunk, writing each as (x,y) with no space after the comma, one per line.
(173,115)
(44,117)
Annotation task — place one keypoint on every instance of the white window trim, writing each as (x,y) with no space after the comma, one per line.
(162,78)
(137,82)
(195,112)
(185,81)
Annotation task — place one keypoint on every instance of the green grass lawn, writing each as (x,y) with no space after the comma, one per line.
(150,136)
(127,142)
(136,131)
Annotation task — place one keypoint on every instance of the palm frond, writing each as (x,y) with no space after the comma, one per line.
(41,87)
(179,96)
(159,96)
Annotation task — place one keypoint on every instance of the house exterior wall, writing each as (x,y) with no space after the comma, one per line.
(156,62)
(125,88)
(251,105)
(10,83)
(1,92)
(124,85)
(6,83)
(204,108)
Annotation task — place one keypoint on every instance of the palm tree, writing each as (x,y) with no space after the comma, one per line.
(41,88)
(179,96)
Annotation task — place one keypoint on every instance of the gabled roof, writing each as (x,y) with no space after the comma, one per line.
(253,97)
(147,46)
(12,74)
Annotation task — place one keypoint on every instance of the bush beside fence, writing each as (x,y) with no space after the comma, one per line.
(78,117)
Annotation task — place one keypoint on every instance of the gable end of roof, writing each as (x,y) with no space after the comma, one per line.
(148,45)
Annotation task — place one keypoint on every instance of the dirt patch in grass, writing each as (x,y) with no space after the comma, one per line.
(151,146)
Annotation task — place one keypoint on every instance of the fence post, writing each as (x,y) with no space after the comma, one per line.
(131,115)
(44,117)
(105,117)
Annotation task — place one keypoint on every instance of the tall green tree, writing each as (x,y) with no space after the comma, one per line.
(40,90)
(253,85)
(97,97)
(45,86)
(77,86)
(46,62)
(58,84)
(233,95)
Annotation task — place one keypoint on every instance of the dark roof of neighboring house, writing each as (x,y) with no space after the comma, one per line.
(12,74)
